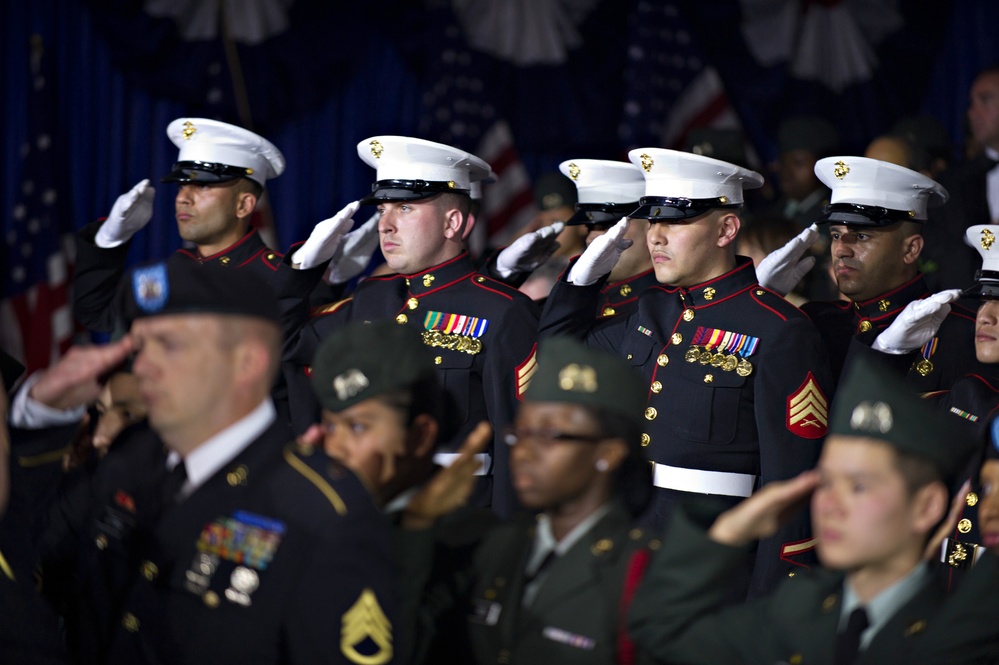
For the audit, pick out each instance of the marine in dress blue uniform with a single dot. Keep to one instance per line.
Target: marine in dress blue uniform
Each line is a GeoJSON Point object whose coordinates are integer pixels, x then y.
{"type": "Point", "coordinates": [874, 196]}
{"type": "Point", "coordinates": [479, 332]}
{"type": "Point", "coordinates": [738, 381]}
{"type": "Point", "coordinates": [210, 152]}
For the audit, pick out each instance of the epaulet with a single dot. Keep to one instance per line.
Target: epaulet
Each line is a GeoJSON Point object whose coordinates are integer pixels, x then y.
{"type": "Point", "coordinates": [775, 302]}
{"type": "Point", "coordinates": [322, 310]}
{"type": "Point", "coordinates": [489, 284]}
{"type": "Point", "coordinates": [300, 457]}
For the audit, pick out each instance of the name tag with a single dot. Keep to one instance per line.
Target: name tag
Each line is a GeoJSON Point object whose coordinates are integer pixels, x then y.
{"type": "Point", "coordinates": [565, 637]}
{"type": "Point", "coordinates": [485, 612]}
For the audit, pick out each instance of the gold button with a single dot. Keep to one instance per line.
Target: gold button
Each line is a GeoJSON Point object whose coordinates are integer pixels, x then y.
{"type": "Point", "coordinates": [795, 658]}
{"type": "Point", "coordinates": [971, 499]}
{"type": "Point", "coordinates": [210, 599]}
{"type": "Point", "coordinates": [829, 603]}
{"type": "Point", "coordinates": [609, 311]}
{"type": "Point", "coordinates": [657, 387]}
{"type": "Point", "coordinates": [646, 439]}
{"type": "Point", "coordinates": [412, 303]}
{"type": "Point", "coordinates": [428, 279]}
{"type": "Point", "coordinates": [489, 594]}
{"type": "Point", "coordinates": [438, 360]}
{"type": "Point", "coordinates": [964, 526]}
{"type": "Point", "coordinates": [865, 326]}
{"type": "Point", "coordinates": [237, 476]}
{"type": "Point", "coordinates": [149, 570]}
{"type": "Point", "coordinates": [676, 338]}
{"type": "Point", "coordinates": [402, 318]}
{"type": "Point", "coordinates": [225, 260]}
{"type": "Point", "coordinates": [760, 292]}
{"type": "Point", "coordinates": [662, 360]}
{"type": "Point", "coordinates": [635, 534]}
{"type": "Point", "coordinates": [130, 622]}
{"type": "Point", "coordinates": [651, 413]}
{"type": "Point", "coordinates": [655, 544]}
{"type": "Point", "coordinates": [629, 357]}
{"type": "Point", "coordinates": [102, 542]}
{"type": "Point", "coordinates": [625, 290]}
{"type": "Point", "coordinates": [791, 574]}
{"type": "Point", "coordinates": [708, 378]}
{"type": "Point", "coordinates": [480, 279]}
{"type": "Point", "coordinates": [915, 627]}
{"type": "Point", "coordinates": [407, 281]}
{"type": "Point", "coordinates": [270, 257]}
{"type": "Point", "coordinates": [688, 314]}
{"type": "Point", "coordinates": [602, 545]}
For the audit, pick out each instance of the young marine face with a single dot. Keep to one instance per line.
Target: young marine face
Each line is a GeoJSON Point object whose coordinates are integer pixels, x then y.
{"type": "Point", "coordinates": [369, 438]}
{"type": "Point", "coordinates": [689, 252]}
{"type": "Point", "coordinates": [119, 405]}
{"type": "Point", "coordinates": [862, 513]}
{"type": "Point", "coordinates": [412, 234]}
{"type": "Point", "coordinates": [869, 261]}
{"type": "Point", "coordinates": [988, 506]}
{"type": "Point", "coordinates": [207, 214]}
{"type": "Point", "coordinates": [987, 332]}
{"type": "Point", "coordinates": [186, 374]}
{"type": "Point", "coordinates": [549, 473]}
{"type": "Point", "coordinates": [983, 109]}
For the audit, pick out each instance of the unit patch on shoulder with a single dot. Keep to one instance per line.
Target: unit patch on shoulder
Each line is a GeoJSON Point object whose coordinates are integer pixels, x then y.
{"type": "Point", "coordinates": [365, 632]}
{"type": "Point", "coordinates": [808, 410]}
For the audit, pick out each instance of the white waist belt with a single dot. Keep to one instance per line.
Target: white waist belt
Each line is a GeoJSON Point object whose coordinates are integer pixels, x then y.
{"type": "Point", "coordinates": [703, 482]}
{"type": "Point", "coordinates": [447, 459]}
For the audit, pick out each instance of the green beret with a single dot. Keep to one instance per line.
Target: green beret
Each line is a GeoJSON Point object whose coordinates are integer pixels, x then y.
{"type": "Point", "coordinates": [573, 373]}
{"type": "Point", "coordinates": [872, 402]}
{"type": "Point", "coordinates": [363, 360]}
{"type": "Point", "coordinates": [181, 286]}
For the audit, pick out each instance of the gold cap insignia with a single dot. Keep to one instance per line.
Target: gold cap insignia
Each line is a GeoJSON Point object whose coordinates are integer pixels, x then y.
{"type": "Point", "coordinates": [647, 162]}
{"type": "Point", "coordinates": [188, 130]}
{"type": "Point", "coordinates": [709, 293]}
{"type": "Point", "coordinates": [349, 384]}
{"type": "Point", "coordinates": [366, 623]}
{"type": "Point", "coordinates": [723, 200]}
{"type": "Point", "coordinates": [377, 149]}
{"type": "Point", "coordinates": [450, 184]}
{"type": "Point", "coordinates": [987, 239]}
{"type": "Point", "coordinates": [428, 279]}
{"type": "Point", "coordinates": [875, 418]}
{"type": "Point", "coordinates": [841, 170]}
{"type": "Point", "coordinates": [573, 171]}
{"type": "Point", "coordinates": [883, 305]}
{"type": "Point", "coordinates": [249, 171]}
{"type": "Point", "coordinates": [582, 378]}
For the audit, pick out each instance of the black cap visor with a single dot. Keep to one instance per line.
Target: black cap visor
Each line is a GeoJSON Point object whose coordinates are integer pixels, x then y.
{"type": "Point", "coordinates": [410, 190]}
{"type": "Point", "coordinates": [986, 286]}
{"type": "Point", "coordinates": [856, 214]}
{"type": "Point", "coordinates": [669, 209]}
{"type": "Point", "coordinates": [600, 214]}
{"type": "Point", "coordinates": [205, 172]}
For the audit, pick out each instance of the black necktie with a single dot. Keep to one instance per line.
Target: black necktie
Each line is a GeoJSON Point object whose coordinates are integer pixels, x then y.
{"type": "Point", "coordinates": [530, 577]}
{"type": "Point", "coordinates": [848, 642]}
{"type": "Point", "coordinates": [173, 482]}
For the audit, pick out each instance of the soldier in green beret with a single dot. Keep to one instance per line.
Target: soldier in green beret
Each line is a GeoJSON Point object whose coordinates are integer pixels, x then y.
{"type": "Point", "coordinates": [877, 494]}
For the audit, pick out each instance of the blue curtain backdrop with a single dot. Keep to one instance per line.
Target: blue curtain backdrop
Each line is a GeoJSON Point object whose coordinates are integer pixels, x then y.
{"type": "Point", "coordinates": [347, 70]}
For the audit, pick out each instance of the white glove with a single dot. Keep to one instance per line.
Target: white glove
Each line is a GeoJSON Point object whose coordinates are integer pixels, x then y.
{"type": "Point", "coordinates": [529, 251]}
{"type": "Point", "coordinates": [916, 324]}
{"type": "Point", "coordinates": [783, 268]}
{"type": "Point", "coordinates": [130, 212]}
{"type": "Point", "coordinates": [325, 239]}
{"type": "Point", "coordinates": [601, 256]}
{"type": "Point", "coordinates": [355, 252]}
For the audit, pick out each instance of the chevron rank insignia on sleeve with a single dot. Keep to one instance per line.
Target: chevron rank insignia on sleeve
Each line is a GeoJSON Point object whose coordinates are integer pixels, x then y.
{"type": "Point", "coordinates": [525, 371]}
{"type": "Point", "coordinates": [808, 410]}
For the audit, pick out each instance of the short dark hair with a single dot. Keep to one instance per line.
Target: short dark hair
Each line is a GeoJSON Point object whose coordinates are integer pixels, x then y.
{"type": "Point", "coordinates": [917, 472]}
{"type": "Point", "coordinates": [252, 186]}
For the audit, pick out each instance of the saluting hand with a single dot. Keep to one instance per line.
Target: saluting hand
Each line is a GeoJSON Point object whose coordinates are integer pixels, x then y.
{"type": "Point", "coordinates": [529, 251]}
{"type": "Point", "coordinates": [764, 512]}
{"type": "Point", "coordinates": [601, 256]}
{"type": "Point", "coordinates": [783, 268]}
{"type": "Point", "coordinates": [450, 487]}
{"type": "Point", "coordinates": [131, 211]}
{"type": "Point", "coordinates": [76, 380]}
{"type": "Point", "coordinates": [916, 324]}
{"type": "Point", "coordinates": [326, 238]}
{"type": "Point", "coordinates": [355, 253]}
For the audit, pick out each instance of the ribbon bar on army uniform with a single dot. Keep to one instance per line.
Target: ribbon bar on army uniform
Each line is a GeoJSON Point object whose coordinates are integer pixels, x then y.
{"type": "Point", "coordinates": [703, 482]}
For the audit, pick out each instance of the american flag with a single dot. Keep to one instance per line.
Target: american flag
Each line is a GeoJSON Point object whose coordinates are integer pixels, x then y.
{"type": "Point", "coordinates": [670, 86]}
{"type": "Point", "coordinates": [458, 111]}
{"type": "Point", "coordinates": [36, 324]}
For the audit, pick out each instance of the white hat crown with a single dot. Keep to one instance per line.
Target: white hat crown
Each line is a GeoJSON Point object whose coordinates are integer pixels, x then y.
{"type": "Point", "coordinates": [206, 140]}
{"type": "Point", "coordinates": [604, 181]}
{"type": "Point", "coordinates": [673, 173]}
{"type": "Point", "coordinates": [872, 182]}
{"type": "Point", "coordinates": [408, 158]}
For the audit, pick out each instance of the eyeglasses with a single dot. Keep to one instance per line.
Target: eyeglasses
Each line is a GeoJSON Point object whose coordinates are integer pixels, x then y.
{"type": "Point", "coordinates": [544, 438]}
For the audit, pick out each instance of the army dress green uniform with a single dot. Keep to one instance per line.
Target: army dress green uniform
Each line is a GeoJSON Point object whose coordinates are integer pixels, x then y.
{"type": "Point", "coordinates": [674, 617]}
